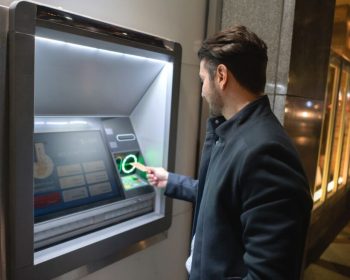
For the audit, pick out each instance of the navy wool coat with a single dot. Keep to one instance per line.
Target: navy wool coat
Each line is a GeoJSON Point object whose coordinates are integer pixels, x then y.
{"type": "Point", "coordinates": [252, 199]}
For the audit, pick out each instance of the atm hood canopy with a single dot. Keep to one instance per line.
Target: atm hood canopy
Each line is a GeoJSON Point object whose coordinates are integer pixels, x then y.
{"type": "Point", "coordinates": [76, 75]}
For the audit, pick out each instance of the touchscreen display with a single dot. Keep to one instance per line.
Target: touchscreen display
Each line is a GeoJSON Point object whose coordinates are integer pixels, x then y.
{"type": "Point", "coordinates": [72, 171]}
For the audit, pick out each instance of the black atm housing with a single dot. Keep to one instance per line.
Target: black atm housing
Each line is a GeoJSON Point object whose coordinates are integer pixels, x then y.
{"type": "Point", "coordinates": [84, 100]}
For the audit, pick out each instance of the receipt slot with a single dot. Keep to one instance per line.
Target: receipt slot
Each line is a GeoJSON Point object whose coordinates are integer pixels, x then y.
{"type": "Point", "coordinates": [88, 101]}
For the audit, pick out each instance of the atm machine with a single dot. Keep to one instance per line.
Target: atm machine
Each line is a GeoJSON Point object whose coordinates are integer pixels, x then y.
{"type": "Point", "coordinates": [82, 102]}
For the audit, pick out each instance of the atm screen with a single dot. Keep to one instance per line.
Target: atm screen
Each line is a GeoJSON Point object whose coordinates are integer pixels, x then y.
{"type": "Point", "coordinates": [72, 171]}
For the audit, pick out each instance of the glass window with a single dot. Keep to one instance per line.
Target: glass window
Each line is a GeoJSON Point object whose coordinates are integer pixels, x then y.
{"type": "Point", "coordinates": [333, 165]}
{"type": "Point", "coordinates": [338, 132]}
{"type": "Point", "coordinates": [322, 167]}
{"type": "Point", "coordinates": [344, 159]}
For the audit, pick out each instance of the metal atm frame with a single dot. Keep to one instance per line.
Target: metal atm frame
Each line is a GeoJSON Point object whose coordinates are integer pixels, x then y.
{"type": "Point", "coordinates": [17, 149]}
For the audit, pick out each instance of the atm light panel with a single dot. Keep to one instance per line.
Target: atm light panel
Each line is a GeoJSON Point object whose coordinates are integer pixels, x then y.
{"type": "Point", "coordinates": [96, 50]}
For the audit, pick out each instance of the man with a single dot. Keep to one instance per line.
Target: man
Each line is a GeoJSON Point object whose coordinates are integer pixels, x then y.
{"type": "Point", "coordinates": [252, 197]}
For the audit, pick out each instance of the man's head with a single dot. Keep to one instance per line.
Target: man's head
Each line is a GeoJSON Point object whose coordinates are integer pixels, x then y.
{"type": "Point", "coordinates": [242, 52]}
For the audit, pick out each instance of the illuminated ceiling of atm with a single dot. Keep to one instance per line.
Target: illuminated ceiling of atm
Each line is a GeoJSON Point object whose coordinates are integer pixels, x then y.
{"type": "Point", "coordinates": [72, 79]}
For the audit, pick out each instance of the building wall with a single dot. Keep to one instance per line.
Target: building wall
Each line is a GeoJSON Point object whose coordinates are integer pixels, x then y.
{"type": "Point", "coordinates": [182, 21]}
{"type": "Point", "coordinates": [308, 77]}
{"type": "Point", "coordinates": [298, 59]}
{"type": "Point", "coordinates": [272, 20]}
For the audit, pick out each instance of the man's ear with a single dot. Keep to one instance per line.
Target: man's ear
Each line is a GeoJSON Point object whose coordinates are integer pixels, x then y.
{"type": "Point", "coordinates": [222, 76]}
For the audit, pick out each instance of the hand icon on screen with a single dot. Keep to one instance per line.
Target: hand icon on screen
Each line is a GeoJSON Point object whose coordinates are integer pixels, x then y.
{"type": "Point", "coordinates": [43, 167]}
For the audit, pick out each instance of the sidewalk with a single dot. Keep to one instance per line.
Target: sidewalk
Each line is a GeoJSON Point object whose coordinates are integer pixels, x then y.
{"type": "Point", "coordinates": [334, 264]}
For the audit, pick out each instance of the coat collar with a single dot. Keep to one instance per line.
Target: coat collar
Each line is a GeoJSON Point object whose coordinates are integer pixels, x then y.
{"type": "Point", "coordinates": [214, 123]}
{"type": "Point", "coordinates": [254, 108]}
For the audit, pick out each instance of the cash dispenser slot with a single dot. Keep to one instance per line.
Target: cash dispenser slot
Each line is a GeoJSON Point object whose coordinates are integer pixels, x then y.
{"type": "Point", "coordinates": [52, 231]}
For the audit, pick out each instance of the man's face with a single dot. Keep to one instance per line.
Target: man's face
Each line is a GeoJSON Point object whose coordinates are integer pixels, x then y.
{"type": "Point", "coordinates": [210, 91]}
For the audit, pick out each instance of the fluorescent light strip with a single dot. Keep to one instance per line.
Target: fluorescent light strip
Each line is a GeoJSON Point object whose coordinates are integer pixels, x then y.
{"type": "Point", "coordinates": [317, 195]}
{"type": "Point", "coordinates": [330, 186]}
{"type": "Point", "coordinates": [57, 123]}
{"type": "Point", "coordinates": [77, 122]}
{"type": "Point", "coordinates": [60, 123]}
{"type": "Point", "coordinates": [340, 180]}
{"type": "Point", "coordinates": [63, 43]}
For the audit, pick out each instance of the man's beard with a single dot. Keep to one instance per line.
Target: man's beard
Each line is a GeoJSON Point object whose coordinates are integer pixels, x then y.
{"type": "Point", "coordinates": [215, 103]}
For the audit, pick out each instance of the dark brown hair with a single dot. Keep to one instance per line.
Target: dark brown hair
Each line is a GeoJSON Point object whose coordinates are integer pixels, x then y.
{"type": "Point", "coordinates": [242, 52]}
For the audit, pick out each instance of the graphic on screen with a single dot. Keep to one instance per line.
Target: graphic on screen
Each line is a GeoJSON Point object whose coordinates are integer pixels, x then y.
{"type": "Point", "coordinates": [72, 170]}
{"type": "Point", "coordinates": [43, 167]}
{"type": "Point", "coordinates": [131, 177]}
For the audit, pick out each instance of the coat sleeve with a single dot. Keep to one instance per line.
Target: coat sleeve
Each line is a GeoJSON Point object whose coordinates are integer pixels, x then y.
{"type": "Point", "coordinates": [181, 187]}
{"type": "Point", "coordinates": [275, 212]}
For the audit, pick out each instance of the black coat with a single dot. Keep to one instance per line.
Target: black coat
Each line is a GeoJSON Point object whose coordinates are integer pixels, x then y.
{"type": "Point", "coordinates": [252, 198]}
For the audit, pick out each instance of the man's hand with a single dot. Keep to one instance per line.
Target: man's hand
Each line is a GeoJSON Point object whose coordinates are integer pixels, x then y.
{"type": "Point", "coordinates": [157, 176]}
